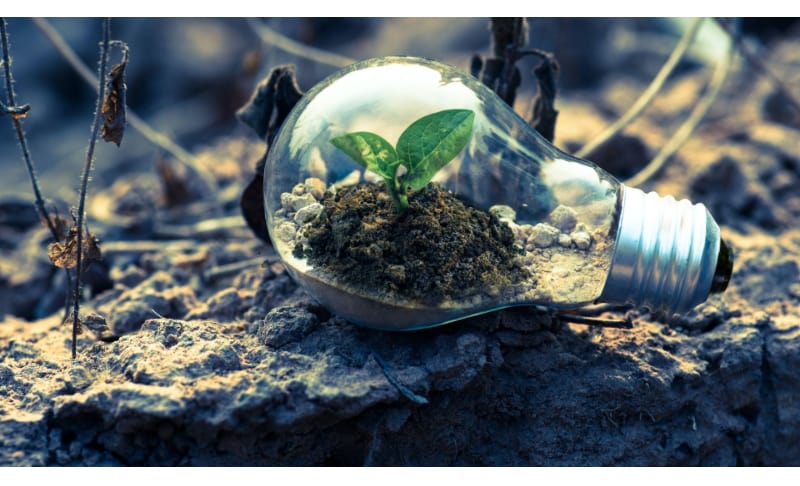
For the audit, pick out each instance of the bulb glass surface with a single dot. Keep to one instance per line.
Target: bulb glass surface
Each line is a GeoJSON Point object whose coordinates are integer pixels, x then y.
{"type": "Point", "coordinates": [563, 212]}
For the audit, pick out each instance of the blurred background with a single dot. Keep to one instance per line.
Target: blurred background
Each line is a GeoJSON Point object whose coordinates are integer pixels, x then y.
{"type": "Point", "coordinates": [187, 77]}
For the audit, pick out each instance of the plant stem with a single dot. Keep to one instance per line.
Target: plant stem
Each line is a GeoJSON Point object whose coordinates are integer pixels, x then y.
{"type": "Point", "coordinates": [41, 209]}
{"type": "Point", "coordinates": [399, 194]}
{"type": "Point", "coordinates": [85, 179]}
{"type": "Point", "coordinates": [23, 143]}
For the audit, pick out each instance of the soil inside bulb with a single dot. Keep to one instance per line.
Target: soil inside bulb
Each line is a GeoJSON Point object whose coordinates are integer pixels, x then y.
{"type": "Point", "coordinates": [439, 250]}
{"type": "Point", "coordinates": [441, 254]}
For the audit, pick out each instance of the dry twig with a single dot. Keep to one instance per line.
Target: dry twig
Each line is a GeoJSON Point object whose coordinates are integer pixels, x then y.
{"type": "Point", "coordinates": [273, 38]}
{"type": "Point", "coordinates": [156, 138]}
{"type": "Point", "coordinates": [87, 168]}
{"type": "Point", "coordinates": [685, 131]}
{"type": "Point", "coordinates": [648, 94]}
{"type": "Point", "coordinates": [16, 114]}
{"type": "Point", "coordinates": [756, 61]}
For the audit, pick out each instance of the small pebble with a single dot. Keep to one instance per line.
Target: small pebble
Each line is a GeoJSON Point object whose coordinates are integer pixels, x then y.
{"type": "Point", "coordinates": [299, 202]}
{"type": "Point", "coordinates": [543, 235]}
{"type": "Point", "coordinates": [307, 213]}
{"type": "Point", "coordinates": [564, 218]}
{"type": "Point", "coordinates": [315, 187]}
{"type": "Point", "coordinates": [564, 240]}
{"type": "Point", "coordinates": [582, 239]}
{"type": "Point", "coordinates": [299, 189]}
{"type": "Point", "coordinates": [286, 201]}
{"type": "Point", "coordinates": [501, 212]}
{"type": "Point", "coordinates": [285, 231]}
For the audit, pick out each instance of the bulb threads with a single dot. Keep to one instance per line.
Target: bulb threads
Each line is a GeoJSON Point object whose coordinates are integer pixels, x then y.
{"type": "Point", "coordinates": [666, 253]}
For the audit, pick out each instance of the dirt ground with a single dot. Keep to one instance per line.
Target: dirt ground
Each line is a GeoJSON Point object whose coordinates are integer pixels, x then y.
{"type": "Point", "coordinates": [214, 356]}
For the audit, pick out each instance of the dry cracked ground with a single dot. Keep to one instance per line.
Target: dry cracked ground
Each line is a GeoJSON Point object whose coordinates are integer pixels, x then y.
{"type": "Point", "coordinates": [215, 357]}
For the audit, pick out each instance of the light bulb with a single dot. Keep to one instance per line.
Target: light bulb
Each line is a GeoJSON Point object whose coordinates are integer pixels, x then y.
{"type": "Point", "coordinates": [578, 235]}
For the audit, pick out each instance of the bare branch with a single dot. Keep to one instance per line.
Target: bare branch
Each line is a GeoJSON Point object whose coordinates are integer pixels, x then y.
{"type": "Point", "coordinates": [12, 109]}
{"type": "Point", "coordinates": [761, 65]}
{"type": "Point", "coordinates": [685, 131]}
{"type": "Point", "coordinates": [273, 38]}
{"type": "Point", "coordinates": [23, 142]}
{"type": "Point", "coordinates": [648, 94]}
{"type": "Point", "coordinates": [87, 168]}
{"type": "Point", "coordinates": [156, 138]}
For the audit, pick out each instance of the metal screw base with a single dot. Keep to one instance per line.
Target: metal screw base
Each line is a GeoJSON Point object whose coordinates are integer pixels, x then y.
{"type": "Point", "coordinates": [666, 253]}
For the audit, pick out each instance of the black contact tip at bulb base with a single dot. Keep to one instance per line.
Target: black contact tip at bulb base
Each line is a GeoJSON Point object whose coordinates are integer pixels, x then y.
{"type": "Point", "coordinates": [722, 274]}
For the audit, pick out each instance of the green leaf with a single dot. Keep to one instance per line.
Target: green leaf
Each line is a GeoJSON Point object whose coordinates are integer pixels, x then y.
{"type": "Point", "coordinates": [371, 151]}
{"type": "Point", "coordinates": [431, 142]}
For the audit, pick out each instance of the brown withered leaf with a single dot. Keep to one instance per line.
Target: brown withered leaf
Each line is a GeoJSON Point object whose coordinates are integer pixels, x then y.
{"type": "Point", "coordinates": [272, 100]}
{"type": "Point", "coordinates": [114, 104]}
{"type": "Point", "coordinates": [16, 112]}
{"type": "Point", "coordinates": [65, 255]}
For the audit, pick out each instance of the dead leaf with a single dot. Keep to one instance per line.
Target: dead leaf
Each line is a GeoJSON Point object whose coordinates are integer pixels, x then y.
{"type": "Point", "coordinates": [16, 112]}
{"type": "Point", "coordinates": [272, 100]}
{"type": "Point", "coordinates": [114, 104]}
{"type": "Point", "coordinates": [65, 255]}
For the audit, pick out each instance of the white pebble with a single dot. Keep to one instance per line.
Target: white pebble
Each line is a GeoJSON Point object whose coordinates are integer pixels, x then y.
{"type": "Point", "coordinates": [582, 239]}
{"type": "Point", "coordinates": [543, 235]}
{"type": "Point", "coordinates": [564, 240]}
{"type": "Point", "coordinates": [286, 201]}
{"type": "Point", "coordinates": [315, 187]}
{"type": "Point", "coordinates": [299, 202]}
{"type": "Point", "coordinates": [307, 213]}
{"type": "Point", "coordinates": [285, 231]}
{"type": "Point", "coordinates": [501, 212]}
{"type": "Point", "coordinates": [563, 218]}
{"type": "Point", "coordinates": [299, 189]}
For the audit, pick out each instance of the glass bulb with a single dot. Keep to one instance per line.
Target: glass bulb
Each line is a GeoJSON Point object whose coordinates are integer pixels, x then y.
{"type": "Point", "coordinates": [568, 233]}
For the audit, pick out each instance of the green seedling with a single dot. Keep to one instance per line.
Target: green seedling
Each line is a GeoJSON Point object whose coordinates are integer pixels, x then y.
{"type": "Point", "coordinates": [423, 148]}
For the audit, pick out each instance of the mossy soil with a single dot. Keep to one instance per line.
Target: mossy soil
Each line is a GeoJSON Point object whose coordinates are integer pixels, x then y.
{"type": "Point", "coordinates": [440, 249]}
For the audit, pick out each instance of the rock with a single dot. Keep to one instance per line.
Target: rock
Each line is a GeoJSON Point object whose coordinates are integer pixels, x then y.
{"type": "Point", "coordinates": [563, 218]}
{"type": "Point", "coordinates": [298, 190]}
{"type": "Point", "coordinates": [582, 240]}
{"type": "Point", "coordinates": [285, 231]}
{"type": "Point", "coordinates": [284, 325]}
{"type": "Point", "coordinates": [300, 202]}
{"type": "Point", "coordinates": [315, 187]}
{"type": "Point", "coordinates": [564, 240]}
{"type": "Point", "coordinates": [543, 236]}
{"type": "Point", "coordinates": [503, 212]}
{"type": "Point", "coordinates": [159, 295]}
{"type": "Point", "coordinates": [308, 213]}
